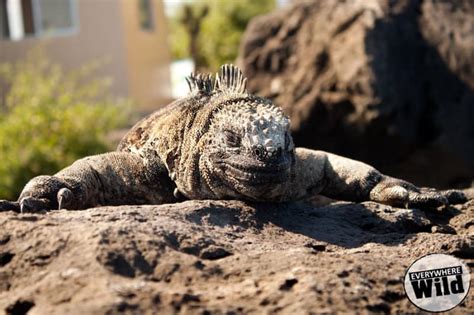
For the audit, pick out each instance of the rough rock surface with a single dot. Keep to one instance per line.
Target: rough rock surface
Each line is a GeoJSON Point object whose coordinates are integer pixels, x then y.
{"type": "Point", "coordinates": [387, 82]}
{"type": "Point", "coordinates": [222, 257]}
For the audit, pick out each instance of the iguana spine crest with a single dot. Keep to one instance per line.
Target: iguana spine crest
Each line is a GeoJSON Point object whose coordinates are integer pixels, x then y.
{"type": "Point", "coordinates": [230, 80]}
{"type": "Point", "coordinates": [200, 83]}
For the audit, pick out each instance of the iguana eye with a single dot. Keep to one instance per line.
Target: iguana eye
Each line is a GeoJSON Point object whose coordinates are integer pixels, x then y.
{"type": "Point", "coordinates": [232, 139]}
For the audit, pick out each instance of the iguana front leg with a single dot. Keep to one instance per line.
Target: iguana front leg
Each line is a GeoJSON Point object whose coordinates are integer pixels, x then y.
{"type": "Point", "coordinates": [345, 179]}
{"type": "Point", "coordinates": [107, 179]}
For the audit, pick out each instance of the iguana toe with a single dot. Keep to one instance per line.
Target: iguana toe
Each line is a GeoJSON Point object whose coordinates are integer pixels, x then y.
{"type": "Point", "coordinates": [6, 205]}
{"type": "Point", "coordinates": [455, 196]}
{"type": "Point", "coordinates": [400, 193]}
{"type": "Point", "coordinates": [31, 204]}
{"type": "Point", "coordinates": [427, 199]}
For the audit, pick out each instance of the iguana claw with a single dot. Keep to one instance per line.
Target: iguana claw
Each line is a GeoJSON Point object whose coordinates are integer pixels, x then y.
{"type": "Point", "coordinates": [65, 196]}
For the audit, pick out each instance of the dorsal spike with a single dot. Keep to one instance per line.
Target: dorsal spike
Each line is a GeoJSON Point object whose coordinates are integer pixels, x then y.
{"type": "Point", "coordinates": [230, 79]}
{"type": "Point", "coordinates": [200, 83]}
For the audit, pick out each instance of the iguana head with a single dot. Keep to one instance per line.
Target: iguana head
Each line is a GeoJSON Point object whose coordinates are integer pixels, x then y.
{"type": "Point", "coordinates": [249, 151]}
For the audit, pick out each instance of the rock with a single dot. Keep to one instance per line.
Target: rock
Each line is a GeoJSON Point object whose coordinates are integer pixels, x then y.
{"type": "Point", "coordinates": [220, 257]}
{"type": "Point", "coordinates": [387, 82]}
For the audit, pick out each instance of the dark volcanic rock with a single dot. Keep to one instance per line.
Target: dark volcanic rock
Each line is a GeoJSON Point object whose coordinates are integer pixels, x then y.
{"type": "Point", "coordinates": [222, 257]}
{"type": "Point", "coordinates": [387, 82]}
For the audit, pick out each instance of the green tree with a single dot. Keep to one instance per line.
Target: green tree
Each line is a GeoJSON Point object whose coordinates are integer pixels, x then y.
{"type": "Point", "coordinates": [49, 118]}
{"type": "Point", "coordinates": [221, 29]}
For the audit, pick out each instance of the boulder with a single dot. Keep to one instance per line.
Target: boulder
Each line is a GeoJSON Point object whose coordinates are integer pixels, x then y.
{"type": "Point", "coordinates": [387, 82]}
{"type": "Point", "coordinates": [222, 257]}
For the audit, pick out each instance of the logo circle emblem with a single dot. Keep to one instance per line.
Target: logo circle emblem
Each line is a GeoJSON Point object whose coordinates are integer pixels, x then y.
{"type": "Point", "coordinates": [437, 282]}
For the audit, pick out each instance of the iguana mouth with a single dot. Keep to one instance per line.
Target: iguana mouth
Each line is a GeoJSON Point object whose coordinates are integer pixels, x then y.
{"type": "Point", "coordinates": [259, 167]}
{"type": "Point", "coordinates": [258, 173]}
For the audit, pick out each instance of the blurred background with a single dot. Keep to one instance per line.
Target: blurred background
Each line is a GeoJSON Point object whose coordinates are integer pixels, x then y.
{"type": "Point", "coordinates": [389, 82]}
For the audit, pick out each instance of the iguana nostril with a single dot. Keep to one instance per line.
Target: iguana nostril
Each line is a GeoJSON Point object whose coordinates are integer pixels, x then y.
{"type": "Point", "coordinates": [259, 151]}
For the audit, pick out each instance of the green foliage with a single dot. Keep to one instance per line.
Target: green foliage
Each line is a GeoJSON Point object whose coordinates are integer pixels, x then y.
{"type": "Point", "coordinates": [221, 29]}
{"type": "Point", "coordinates": [179, 39]}
{"type": "Point", "coordinates": [50, 118]}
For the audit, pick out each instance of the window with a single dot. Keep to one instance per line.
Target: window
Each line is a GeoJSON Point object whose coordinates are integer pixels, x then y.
{"type": "Point", "coordinates": [4, 29]}
{"type": "Point", "coordinates": [55, 15]}
{"type": "Point", "coordinates": [21, 18]}
{"type": "Point", "coordinates": [145, 11]}
{"type": "Point", "coordinates": [28, 20]}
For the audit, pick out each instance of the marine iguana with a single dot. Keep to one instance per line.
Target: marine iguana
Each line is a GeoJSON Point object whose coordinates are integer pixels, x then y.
{"type": "Point", "coordinates": [218, 142]}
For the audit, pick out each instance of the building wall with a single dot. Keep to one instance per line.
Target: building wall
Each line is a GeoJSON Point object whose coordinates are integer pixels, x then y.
{"type": "Point", "coordinates": [109, 31]}
{"type": "Point", "coordinates": [148, 56]}
{"type": "Point", "coordinates": [98, 38]}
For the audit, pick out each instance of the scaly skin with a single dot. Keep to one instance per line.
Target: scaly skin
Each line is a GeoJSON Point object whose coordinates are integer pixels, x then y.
{"type": "Point", "coordinates": [219, 142]}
